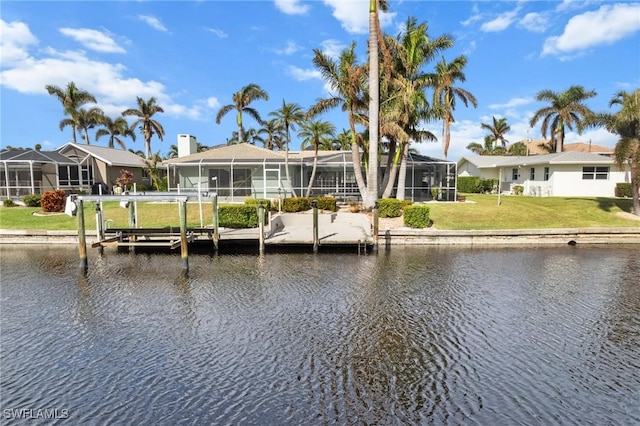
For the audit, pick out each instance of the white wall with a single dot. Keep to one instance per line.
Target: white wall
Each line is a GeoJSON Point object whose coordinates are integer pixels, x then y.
{"type": "Point", "coordinates": [568, 182]}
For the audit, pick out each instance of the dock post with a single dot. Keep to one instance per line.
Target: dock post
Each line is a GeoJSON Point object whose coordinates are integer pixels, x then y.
{"type": "Point", "coordinates": [216, 231]}
{"type": "Point", "coordinates": [375, 227]}
{"type": "Point", "coordinates": [184, 249]}
{"type": "Point", "coordinates": [82, 240]}
{"type": "Point", "coordinates": [261, 226]}
{"type": "Point", "coordinates": [314, 204]}
{"type": "Point", "coordinates": [100, 224]}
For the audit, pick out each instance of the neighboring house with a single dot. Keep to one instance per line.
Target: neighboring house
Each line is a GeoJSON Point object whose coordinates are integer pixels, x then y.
{"type": "Point", "coordinates": [561, 174]}
{"type": "Point", "coordinates": [536, 146]}
{"type": "Point", "coordinates": [240, 171]}
{"type": "Point", "coordinates": [71, 168]}
{"type": "Point", "coordinates": [28, 171]}
{"type": "Point", "coordinates": [100, 165]}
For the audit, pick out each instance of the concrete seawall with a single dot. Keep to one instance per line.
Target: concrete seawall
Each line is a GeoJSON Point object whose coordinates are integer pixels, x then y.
{"type": "Point", "coordinates": [405, 236]}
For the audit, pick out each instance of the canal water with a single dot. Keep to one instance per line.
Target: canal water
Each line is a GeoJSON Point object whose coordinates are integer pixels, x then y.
{"type": "Point", "coordinates": [416, 335]}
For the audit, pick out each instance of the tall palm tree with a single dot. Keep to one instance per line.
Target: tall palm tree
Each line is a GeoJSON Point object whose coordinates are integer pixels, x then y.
{"type": "Point", "coordinates": [173, 151]}
{"type": "Point", "coordinates": [374, 106]}
{"type": "Point", "coordinates": [567, 109]}
{"type": "Point", "coordinates": [148, 126]}
{"type": "Point", "coordinates": [497, 130]}
{"type": "Point", "coordinates": [315, 133]}
{"type": "Point", "coordinates": [445, 95]}
{"type": "Point", "coordinates": [83, 119]}
{"type": "Point", "coordinates": [71, 99]}
{"type": "Point", "coordinates": [114, 129]}
{"type": "Point", "coordinates": [241, 101]}
{"type": "Point", "coordinates": [626, 124]}
{"type": "Point", "coordinates": [342, 142]}
{"type": "Point", "coordinates": [346, 78]}
{"type": "Point", "coordinates": [273, 134]}
{"type": "Point", "coordinates": [152, 165]}
{"type": "Point", "coordinates": [288, 117]}
{"type": "Point", "coordinates": [489, 147]}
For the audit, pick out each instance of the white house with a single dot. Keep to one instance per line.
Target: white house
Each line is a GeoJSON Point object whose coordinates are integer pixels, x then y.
{"type": "Point", "coordinates": [577, 174]}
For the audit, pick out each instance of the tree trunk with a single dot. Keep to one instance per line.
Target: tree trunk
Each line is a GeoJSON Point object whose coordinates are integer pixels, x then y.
{"type": "Point", "coordinates": [392, 172]}
{"type": "Point", "coordinates": [73, 132]}
{"type": "Point", "coordinates": [446, 137]}
{"type": "Point", "coordinates": [391, 156]}
{"type": "Point", "coordinates": [635, 194]}
{"type": "Point", "coordinates": [374, 108]}
{"type": "Point", "coordinates": [403, 171]}
{"type": "Point", "coordinates": [286, 165]}
{"type": "Point", "coordinates": [313, 173]}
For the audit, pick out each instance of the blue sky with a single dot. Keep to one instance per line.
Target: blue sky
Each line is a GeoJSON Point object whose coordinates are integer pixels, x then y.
{"type": "Point", "coordinates": [192, 56]}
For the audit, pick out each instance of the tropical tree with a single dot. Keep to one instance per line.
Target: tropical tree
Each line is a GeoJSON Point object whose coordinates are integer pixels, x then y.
{"type": "Point", "coordinates": [152, 165]}
{"type": "Point", "coordinates": [71, 99]}
{"type": "Point", "coordinates": [518, 148]}
{"type": "Point", "coordinates": [173, 151]}
{"type": "Point", "coordinates": [567, 109]}
{"type": "Point", "coordinates": [115, 129]}
{"type": "Point", "coordinates": [489, 147]}
{"type": "Point", "coordinates": [497, 130]}
{"type": "Point", "coordinates": [148, 126]}
{"type": "Point", "coordinates": [626, 124]}
{"type": "Point", "coordinates": [346, 78]}
{"type": "Point", "coordinates": [445, 95]}
{"type": "Point", "coordinates": [287, 118]}
{"type": "Point", "coordinates": [241, 101]}
{"type": "Point", "coordinates": [342, 142]}
{"type": "Point", "coordinates": [271, 134]}
{"type": "Point", "coordinates": [315, 133]}
{"type": "Point", "coordinates": [83, 119]}
{"type": "Point", "coordinates": [374, 106]}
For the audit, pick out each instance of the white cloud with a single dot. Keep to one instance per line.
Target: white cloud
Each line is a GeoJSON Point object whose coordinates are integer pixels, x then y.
{"type": "Point", "coordinates": [291, 7]}
{"type": "Point", "coordinates": [477, 16]}
{"type": "Point", "coordinates": [606, 25]}
{"type": "Point", "coordinates": [500, 23]}
{"type": "Point", "coordinates": [92, 39]}
{"type": "Point", "coordinates": [15, 39]}
{"type": "Point", "coordinates": [512, 103]}
{"type": "Point", "coordinates": [218, 32]}
{"type": "Point", "coordinates": [534, 22]}
{"type": "Point", "coordinates": [471, 47]}
{"type": "Point", "coordinates": [153, 22]}
{"type": "Point", "coordinates": [354, 15]}
{"type": "Point", "coordinates": [289, 49]}
{"type": "Point", "coordinates": [304, 74]}
{"type": "Point", "coordinates": [212, 102]}
{"type": "Point", "coordinates": [333, 48]}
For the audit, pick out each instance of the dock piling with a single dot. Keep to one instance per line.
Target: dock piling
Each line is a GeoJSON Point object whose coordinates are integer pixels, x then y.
{"type": "Point", "coordinates": [184, 248]}
{"type": "Point", "coordinates": [82, 240]}
{"type": "Point", "coordinates": [314, 204]}
{"type": "Point", "coordinates": [261, 226]}
{"type": "Point", "coordinates": [216, 231]}
{"type": "Point", "coordinates": [375, 227]}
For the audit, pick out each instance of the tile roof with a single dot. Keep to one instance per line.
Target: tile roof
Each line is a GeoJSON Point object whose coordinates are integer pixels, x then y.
{"type": "Point", "coordinates": [536, 147]}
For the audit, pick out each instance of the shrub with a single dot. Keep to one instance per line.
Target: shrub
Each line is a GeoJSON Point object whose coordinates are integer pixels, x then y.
{"type": "Point", "coordinates": [296, 204]}
{"type": "Point", "coordinates": [238, 216]}
{"type": "Point", "coordinates": [327, 203]}
{"type": "Point", "coordinates": [518, 190]}
{"type": "Point", "coordinates": [488, 186]}
{"type": "Point", "coordinates": [255, 203]}
{"type": "Point", "coordinates": [32, 200]}
{"type": "Point", "coordinates": [125, 180]}
{"type": "Point", "coordinates": [469, 184]}
{"type": "Point", "coordinates": [391, 207]}
{"type": "Point", "coordinates": [416, 216]}
{"type": "Point", "coordinates": [623, 189]}
{"type": "Point", "coordinates": [53, 201]}
{"type": "Point", "coordinates": [9, 203]}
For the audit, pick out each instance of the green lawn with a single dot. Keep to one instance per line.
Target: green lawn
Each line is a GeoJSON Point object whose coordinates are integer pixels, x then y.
{"type": "Point", "coordinates": [480, 212]}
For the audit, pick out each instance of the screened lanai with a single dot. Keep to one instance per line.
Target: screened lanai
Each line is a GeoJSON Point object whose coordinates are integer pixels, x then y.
{"type": "Point", "coordinates": [236, 172]}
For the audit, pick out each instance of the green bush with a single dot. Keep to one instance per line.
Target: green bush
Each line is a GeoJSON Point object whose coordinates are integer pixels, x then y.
{"type": "Point", "coordinates": [488, 186]}
{"type": "Point", "coordinates": [32, 200]}
{"type": "Point", "coordinates": [9, 203]}
{"type": "Point", "coordinates": [255, 203]}
{"type": "Point", "coordinates": [416, 216]}
{"type": "Point", "coordinates": [296, 204]}
{"type": "Point", "coordinates": [469, 184]}
{"type": "Point", "coordinates": [518, 190]}
{"type": "Point", "coordinates": [623, 189]}
{"type": "Point", "coordinates": [237, 216]}
{"type": "Point", "coordinates": [327, 203]}
{"type": "Point", "coordinates": [391, 207]}
{"type": "Point", "coordinates": [53, 201]}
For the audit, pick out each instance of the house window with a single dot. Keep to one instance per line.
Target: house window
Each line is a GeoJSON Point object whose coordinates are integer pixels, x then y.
{"type": "Point", "coordinates": [597, 173]}
{"type": "Point", "coordinates": [514, 174]}
{"type": "Point", "coordinates": [70, 175]}
{"type": "Point", "coordinates": [546, 173]}
{"type": "Point", "coordinates": [532, 174]}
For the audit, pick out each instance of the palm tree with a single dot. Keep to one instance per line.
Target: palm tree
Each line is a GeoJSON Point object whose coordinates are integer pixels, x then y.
{"type": "Point", "coordinates": [114, 129]}
{"type": "Point", "coordinates": [315, 133]}
{"type": "Point", "coordinates": [273, 134]}
{"type": "Point", "coordinates": [153, 169]}
{"type": "Point", "coordinates": [342, 141]}
{"type": "Point", "coordinates": [498, 129]}
{"type": "Point", "coordinates": [518, 148]}
{"type": "Point", "coordinates": [241, 101]}
{"type": "Point", "coordinates": [148, 126]}
{"type": "Point", "coordinates": [287, 117]}
{"type": "Point", "coordinates": [346, 79]}
{"type": "Point", "coordinates": [626, 124]}
{"type": "Point", "coordinates": [173, 151]}
{"type": "Point", "coordinates": [445, 94]}
{"type": "Point", "coordinates": [71, 99]}
{"type": "Point", "coordinates": [489, 147]}
{"type": "Point", "coordinates": [83, 119]}
{"type": "Point", "coordinates": [566, 110]}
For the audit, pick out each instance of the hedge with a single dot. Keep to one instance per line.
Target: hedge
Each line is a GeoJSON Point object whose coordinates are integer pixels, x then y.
{"type": "Point", "coordinates": [476, 185]}
{"type": "Point", "coordinates": [623, 189]}
{"type": "Point", "coordinates": [238, 216]}
{"type": "Point", "coordinates": [301, 204]}
{"type": "Point", "coordinates": [416, 216]}
{"type": "Point", "coordinates": [255, 203]}
{"type": "Point", "coordinates": [391, 207]}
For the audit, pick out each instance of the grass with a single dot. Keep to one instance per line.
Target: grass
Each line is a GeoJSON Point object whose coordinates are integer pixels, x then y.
{"type": "Point", "coordinates": [482, 212]}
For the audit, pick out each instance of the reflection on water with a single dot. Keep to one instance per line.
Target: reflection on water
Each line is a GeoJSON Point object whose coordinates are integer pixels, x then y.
{"type": "Point", "coordinates": [413, 336]}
